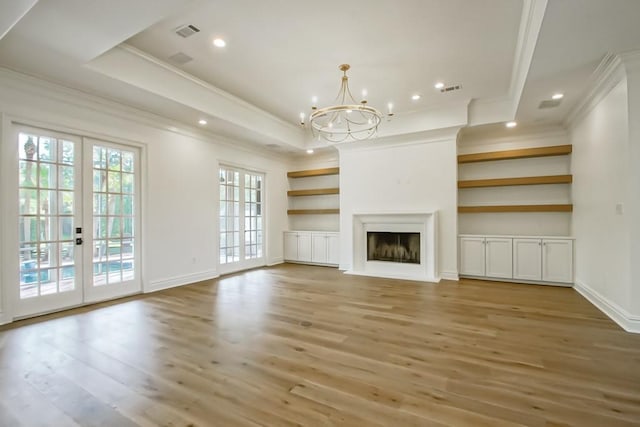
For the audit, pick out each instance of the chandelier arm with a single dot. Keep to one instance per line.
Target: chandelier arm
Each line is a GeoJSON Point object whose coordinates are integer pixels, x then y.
{"type": "Point", "coordinates": [347, 120]}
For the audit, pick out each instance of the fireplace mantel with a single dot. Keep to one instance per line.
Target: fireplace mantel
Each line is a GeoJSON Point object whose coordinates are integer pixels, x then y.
{"type": "Point", "coordinates": [424, 223]}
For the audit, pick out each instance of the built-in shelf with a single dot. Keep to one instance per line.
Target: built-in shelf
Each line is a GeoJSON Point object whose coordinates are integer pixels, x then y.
{"type": "Point", "coordinates": [558, 150]}
{"type": "Point", "coordinates": [313, 192]}
{"type": "Point", "coordinates": [310, 173]}
{"type": "Point", "coordinates": [515, 208]}
{"type": "Point", "coordinates": [503, 182]}
{"type": "Point", "coordinates": [312, 211]}
{"type": "Point", "coordinates": [313, 172]}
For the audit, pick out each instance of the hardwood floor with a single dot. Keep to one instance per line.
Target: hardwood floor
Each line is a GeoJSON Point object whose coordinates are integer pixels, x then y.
{"type": "Point", "coordinates": [302, 345]}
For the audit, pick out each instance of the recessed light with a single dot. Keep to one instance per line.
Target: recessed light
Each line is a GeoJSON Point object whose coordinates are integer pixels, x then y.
{"type": "Point", "coordinates": [415, 97]}
{"type": "Point", "coordinates": [219, 43]}
{"type": "Point", "coordinates": [202, 122]}
{"type": "Point", "coordinates": [439, 85]}
{"type": "Point", "coordinates": [557, 96]}
{"type": "Point", "coordinates": [309, 151]}
{"type": "Point", "coordinates": [511, 124]}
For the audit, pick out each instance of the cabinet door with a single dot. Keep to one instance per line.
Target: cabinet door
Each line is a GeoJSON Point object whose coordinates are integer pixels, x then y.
{"type": "Point", "coordinates": [290, 246]}
{"type": "Point", "coordinates": [304, 247]}
{"type": "Point", "coordinates": [333, 248]}
{"type": "Point", "coordinates": [319, 248]}
{"type": "Point", "coordinates": [557, 260]}
{"type": "Point", "coordinates": [498, 257]}
{"type": "Point", "coordinates": [472, 256]}
{"type": "Point", "coordinates": [527, 259]}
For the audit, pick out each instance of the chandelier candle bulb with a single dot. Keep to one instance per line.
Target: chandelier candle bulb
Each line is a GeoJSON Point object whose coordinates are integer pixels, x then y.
{"type": "Point", "coordinates": [302, 119]}
{"type": "Point", "coordinates": [314, 102]}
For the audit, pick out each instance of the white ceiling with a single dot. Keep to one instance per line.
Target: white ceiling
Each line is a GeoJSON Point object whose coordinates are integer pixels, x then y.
{"type": "Point", "coordinates": [281, 52]}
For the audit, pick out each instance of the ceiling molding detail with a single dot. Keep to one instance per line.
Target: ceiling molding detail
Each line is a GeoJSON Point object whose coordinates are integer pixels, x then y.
{"type": "Point", "coordinates": [530, 24]}
{"type": "Point", "coordinates": [432, 136]}
{"type": "Point", "coordinates": [24, 84]}
{"type": "Point", "coordinates": [136, 68]}
{"type": "Point", "coordinates": [607, 75]}
{"type": "Point", "coordinates": [12, 12]}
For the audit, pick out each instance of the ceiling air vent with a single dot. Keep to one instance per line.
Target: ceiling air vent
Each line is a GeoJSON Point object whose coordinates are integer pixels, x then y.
{"type": "Point", "coordinates": [180, 58]}
{"type": "Point", "coordinates": [187, 30]}
{"type": "Point", "coordinates": [549, 103]}
{"type": "Point", "coordinates": [450, 88]}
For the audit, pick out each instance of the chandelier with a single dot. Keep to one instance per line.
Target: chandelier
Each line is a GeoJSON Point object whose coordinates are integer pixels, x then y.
{"type": "Point", "coordinates": [348, 120]}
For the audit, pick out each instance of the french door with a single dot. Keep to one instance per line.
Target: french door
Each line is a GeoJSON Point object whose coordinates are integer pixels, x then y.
{"type": "Point", "coordinates": [77, 221]}
{"type": "Point", "coordinates": [241, 219]}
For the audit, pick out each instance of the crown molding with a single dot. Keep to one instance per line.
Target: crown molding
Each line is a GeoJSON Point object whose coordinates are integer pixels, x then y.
{"type": "Point", "coordinates": [76, 98]}
{"type": "Point", "coordinates": [448, 134]}
{"type": "Point", "coordinates": [605, 77]}
{"type": "Point", "coordinates": [134, 67]}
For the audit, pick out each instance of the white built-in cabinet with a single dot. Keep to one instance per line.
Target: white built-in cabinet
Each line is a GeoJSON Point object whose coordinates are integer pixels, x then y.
{"type": "Point", "coordinates": [312, 247]}
{"type": "Point", "coordinates": [526, 259]}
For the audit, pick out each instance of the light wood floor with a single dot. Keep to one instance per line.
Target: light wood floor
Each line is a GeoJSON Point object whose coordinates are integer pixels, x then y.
{"type": "Point", "coordinates": [301, 345]}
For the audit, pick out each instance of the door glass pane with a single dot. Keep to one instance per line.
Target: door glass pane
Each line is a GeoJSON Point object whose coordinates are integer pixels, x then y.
{"type": "Point", "coordinates": [113, 215]}
{"type": "Point", "coordinates": [46, 215]}
{"type": "Point", "coordinates": [229, 215]}
{"type": "Point", "coordinates": [240, 217]}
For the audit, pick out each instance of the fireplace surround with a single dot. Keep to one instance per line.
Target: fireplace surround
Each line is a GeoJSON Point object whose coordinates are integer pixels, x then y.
{"type": "Point", "coordinates": [413, 253]}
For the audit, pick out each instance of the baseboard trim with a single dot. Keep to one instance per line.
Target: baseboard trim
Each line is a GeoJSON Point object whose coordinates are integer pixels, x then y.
{"type": "Point", "coordinates": [627, 321]}
{"type": "Point", "coordinates": [450, 275]}
{"type": "Point", "coordinates": [187, 279]}
{"type": "Point", "coordinates": [275, 261]}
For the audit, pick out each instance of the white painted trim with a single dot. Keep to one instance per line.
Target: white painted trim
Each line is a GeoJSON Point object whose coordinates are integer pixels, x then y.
{"type": "Point", "coordinates": [173, 282]}
{"type": "Point", "coordinates": [427, 279]}
{"type": "Point", "coordinates": [606, 76]}
{"type": "Point", "coordinates": [623, 318]}
{"type": "Point", "coordinates": [275, 261]}
{"type": "Point", "coordinates": [128, 65]}
{"type": "Point", "coordinates": [73, 97]}
{"type": "Point", "coordinates": [450, 275]}
{"type": "Point", "coordinates": [394, 142]}
{"type": "Point", "coordinates": [206, 86]}
{"type": "Point", "coordinates": [516, 281]}
{"type": "Point", "coordinates": [4, 123]}
{"type": "Point", "coordinates": [530, 24]}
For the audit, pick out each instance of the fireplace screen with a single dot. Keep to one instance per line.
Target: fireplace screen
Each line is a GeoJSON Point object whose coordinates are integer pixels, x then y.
{"type": "Point", "coordinates": [393, 247]}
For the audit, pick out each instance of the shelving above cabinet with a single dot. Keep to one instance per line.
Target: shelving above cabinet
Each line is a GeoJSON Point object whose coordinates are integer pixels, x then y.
{"type": "Point", "coordinates": [489, 182]}
{"type": "Point", "coordinates": [317, 207]}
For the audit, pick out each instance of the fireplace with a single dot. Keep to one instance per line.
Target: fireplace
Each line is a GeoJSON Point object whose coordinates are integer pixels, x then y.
{"type": "Point", "coordinates": [393, 247]}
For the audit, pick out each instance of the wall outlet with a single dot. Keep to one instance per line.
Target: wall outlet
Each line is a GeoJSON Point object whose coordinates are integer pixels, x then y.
{"type": "Point", "coordinates": [619, 208]}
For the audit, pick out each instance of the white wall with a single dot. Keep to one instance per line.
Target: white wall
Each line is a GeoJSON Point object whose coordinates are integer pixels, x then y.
{"type": "Point", "coordinates": [514, 223]}
{"type": "Point", "coordinates": [406, 177]}
{"type": "Point", "coordinates": [633, 162]}
{"type": "Point", "coordinates": [601, 168]}
{"type": "Point", "coordinates": [180, 185]}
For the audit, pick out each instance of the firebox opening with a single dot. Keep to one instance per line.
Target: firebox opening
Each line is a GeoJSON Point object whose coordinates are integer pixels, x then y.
{"type": "Point", "coordinates": [393, 247]}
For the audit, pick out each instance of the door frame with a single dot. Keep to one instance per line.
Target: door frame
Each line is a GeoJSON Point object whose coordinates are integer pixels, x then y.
{"type": "Point", "coordinates": [242, 264]}
{"type": "Point", "coordinates": [9, 270]}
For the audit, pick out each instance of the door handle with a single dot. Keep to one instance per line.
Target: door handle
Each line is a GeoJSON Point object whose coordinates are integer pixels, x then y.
{"type": "Point", "coordinates": [79, 241]}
